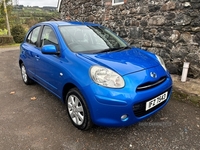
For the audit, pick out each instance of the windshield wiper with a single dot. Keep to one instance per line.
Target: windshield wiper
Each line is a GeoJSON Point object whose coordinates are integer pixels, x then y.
{"type": "Point", "coordinates": [114, 49]}
{"type": "Point", "coordinates": [125, 47]}
{"type": "Point", "coordinates": [108, 50]}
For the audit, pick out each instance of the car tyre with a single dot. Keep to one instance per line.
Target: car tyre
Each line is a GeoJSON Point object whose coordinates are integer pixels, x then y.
{"type": "Point", "coordinates": [77, 110]}
{"type": "Point", "coordinates": [26, 79]}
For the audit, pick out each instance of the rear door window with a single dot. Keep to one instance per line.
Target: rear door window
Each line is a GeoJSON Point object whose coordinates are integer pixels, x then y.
{"type": "Point", "coordinates": [33, 36]}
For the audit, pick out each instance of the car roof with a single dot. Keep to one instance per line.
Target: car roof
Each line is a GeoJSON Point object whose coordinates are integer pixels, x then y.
{"type": "Point", "coordinates": [69, 23]}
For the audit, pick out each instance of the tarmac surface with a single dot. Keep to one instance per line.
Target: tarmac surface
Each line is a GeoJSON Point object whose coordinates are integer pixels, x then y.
{"type": "Point", "coordinates": [31, 118]}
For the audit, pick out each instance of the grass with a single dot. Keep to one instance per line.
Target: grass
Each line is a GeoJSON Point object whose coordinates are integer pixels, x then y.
{"type": "Point", "coordinates": [184, 97]}
{"type": "Point", "coordinates": [10, 45]}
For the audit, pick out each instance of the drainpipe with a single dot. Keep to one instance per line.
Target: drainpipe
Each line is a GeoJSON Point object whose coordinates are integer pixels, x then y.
{"type": "Point", "coordinates": [185, 71]}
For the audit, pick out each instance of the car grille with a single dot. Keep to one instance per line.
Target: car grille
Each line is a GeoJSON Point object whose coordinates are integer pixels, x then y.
{"type": "Point", "coordinates": [139, 108]}
{"type": "Point", "coordinates": [148, 85]}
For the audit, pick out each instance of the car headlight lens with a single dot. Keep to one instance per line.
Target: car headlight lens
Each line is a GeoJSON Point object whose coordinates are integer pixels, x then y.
{"type": "Point", "coordinates": [161, 62]}
{"type": "Point", "coordinates": [106, 77]}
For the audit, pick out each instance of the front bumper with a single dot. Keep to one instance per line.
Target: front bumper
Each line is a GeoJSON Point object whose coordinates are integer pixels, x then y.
{"type": "Point", "coordinates": [108, 106]}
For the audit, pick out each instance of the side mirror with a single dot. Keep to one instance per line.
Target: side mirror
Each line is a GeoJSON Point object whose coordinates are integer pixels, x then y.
{"type": "Point", "coordinates": [49, 49]}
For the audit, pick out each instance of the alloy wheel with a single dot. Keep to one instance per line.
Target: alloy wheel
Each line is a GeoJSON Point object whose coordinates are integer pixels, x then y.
{"type": "Point", "coordinates": [76, 110]}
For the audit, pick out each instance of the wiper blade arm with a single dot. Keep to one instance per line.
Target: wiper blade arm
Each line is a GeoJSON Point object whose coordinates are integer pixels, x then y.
{"type": "Point", "coordinates": [108, 50]}
{"type": "Point", "coordinates": [114, 49]}
{"type": "Point", "coordinates": [123, 48]}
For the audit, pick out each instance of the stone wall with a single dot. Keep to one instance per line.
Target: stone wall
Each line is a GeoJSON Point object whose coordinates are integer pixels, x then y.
{"type": "Point", "coordinates": [170, 29]}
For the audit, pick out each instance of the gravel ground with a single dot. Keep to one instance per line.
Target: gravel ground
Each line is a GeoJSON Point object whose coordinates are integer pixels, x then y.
{"type": "Point", "coordinates": [31, 118]}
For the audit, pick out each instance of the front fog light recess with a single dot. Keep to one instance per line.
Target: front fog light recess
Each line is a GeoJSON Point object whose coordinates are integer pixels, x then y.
{"type": "Point", "coordinates": [124, 117]}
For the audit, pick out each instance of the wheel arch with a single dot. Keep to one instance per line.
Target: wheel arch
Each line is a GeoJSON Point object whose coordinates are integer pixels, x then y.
{"type": "Point", "coordinates": [20, 63]}
{"type": "Point", "coordinates": [66, 89]}
{"type": "Point", "coordinates": [89, 123]}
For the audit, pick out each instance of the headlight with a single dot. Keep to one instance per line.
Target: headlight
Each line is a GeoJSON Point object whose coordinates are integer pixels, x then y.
{"type": "Point", "coordinates": [161, 62]}
{"type": "Point", "coordinates": [106, 77]}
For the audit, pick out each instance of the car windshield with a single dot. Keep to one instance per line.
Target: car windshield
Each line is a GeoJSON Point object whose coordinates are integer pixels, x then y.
{"type": "Point", "coordinates": [91, 39]}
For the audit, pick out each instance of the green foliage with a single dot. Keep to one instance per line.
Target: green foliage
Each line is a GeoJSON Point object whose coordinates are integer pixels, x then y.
{"type": "Point", "coordinates": [2, 13]}
{"type": "Point", "coordinates": [32, 15]}
{"type": "Point", "coordinates": [31, 21]}
{"type": "Point", "coordinates": [3, 32]}
{"type": "Point", "coordinates": [2, 23]}
{"type": "Point", "coordinates": [24, 16]}
{"type": "Point", "coordinates": [8, 5]}
{"type": "Point", "coordinates": [4, 40]}
{"type": "Point", "coordinates": [18, 33]}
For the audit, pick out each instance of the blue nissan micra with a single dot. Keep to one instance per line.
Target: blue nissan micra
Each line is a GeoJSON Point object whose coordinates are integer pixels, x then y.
{"type": "Point", "coordinates": [100, 78]}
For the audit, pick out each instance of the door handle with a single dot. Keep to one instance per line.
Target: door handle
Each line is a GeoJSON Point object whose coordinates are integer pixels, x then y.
{"type": "Point", "coordinates": [37, 57]}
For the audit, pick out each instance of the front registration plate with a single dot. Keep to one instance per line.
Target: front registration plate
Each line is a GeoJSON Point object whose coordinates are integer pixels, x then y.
{"type": "Point", "coordinates": [152, 103]}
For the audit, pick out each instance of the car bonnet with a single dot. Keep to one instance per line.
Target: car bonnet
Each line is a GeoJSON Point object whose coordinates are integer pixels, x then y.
{"type": "Point", "coordinates": [124, 62]}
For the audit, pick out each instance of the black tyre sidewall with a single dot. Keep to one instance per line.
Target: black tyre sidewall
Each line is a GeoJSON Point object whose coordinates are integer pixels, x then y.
{"type": "Point", "coordinates": [29, 81]}
{"type": "Point", "coordinates": [87, 123]}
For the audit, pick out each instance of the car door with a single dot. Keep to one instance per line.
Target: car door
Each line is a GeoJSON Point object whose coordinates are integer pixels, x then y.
{"type": "Point", "coordinates": [48, 66]}
{"type": "Point", "coordinates": [29, 49]}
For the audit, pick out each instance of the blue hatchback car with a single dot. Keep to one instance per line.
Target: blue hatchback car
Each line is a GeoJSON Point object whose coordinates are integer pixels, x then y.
{"type": "Point", "coordinates": [100, 78]}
